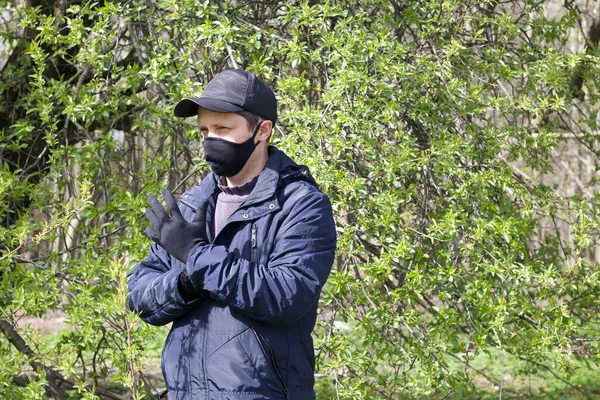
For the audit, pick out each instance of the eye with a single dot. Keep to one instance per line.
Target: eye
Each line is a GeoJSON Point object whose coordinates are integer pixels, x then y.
{"type": "Point", "coordinates": [222, 127]}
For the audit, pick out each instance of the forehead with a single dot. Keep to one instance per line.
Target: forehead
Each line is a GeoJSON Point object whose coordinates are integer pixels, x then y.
{"type": "Point", "coordinates": [207, 117]}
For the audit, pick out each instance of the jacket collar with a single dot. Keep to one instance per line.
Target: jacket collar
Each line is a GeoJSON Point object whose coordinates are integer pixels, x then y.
{"type": "Point", "coordinates": [279, 167]}
{"type": "Point", "coordinates": [268, 179]}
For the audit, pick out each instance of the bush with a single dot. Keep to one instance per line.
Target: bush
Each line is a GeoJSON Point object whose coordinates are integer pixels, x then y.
{"type": "Point", "coordinates": [434, 127]}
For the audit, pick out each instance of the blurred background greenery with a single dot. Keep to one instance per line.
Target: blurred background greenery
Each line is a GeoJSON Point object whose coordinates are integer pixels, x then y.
{"type": "Point", "coordinates": [455, 139]}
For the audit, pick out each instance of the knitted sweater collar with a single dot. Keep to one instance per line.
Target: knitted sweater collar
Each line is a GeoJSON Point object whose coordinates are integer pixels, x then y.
{"type": "Point", "coordinates": [241, 190]}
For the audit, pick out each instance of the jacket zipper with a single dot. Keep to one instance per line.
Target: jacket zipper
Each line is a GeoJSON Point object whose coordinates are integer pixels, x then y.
{"type": "Point", "coordinates": [253, 250]}
{"type": "Point", "coordinates": [272, 363]}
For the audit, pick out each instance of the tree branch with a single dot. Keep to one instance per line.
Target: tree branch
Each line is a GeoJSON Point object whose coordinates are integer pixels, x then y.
{"type": "Point", "coordinates": [53, 378]}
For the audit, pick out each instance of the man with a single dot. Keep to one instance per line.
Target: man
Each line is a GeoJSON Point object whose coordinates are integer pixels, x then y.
{"type": "Point", "coordinates": [239, 265]}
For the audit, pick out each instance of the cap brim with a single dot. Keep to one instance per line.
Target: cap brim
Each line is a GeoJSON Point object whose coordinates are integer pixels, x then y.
{"type": "Point", "coordinates": [189, 107]}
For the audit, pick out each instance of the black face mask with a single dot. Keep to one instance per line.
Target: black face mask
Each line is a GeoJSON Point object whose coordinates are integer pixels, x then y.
{"type": "Point", "coordinates": [227, 158]}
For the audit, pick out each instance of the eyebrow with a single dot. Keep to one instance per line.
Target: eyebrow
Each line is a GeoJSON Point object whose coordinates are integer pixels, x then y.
{"type": "Point", "coordinates": [215, 123]}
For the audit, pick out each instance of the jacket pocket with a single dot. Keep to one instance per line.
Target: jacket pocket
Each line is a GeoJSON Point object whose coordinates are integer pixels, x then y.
{"type": "Point", "coordinates": [271, 360]}
{"type": "Point", "coordinates": [175, 358]}
{"type": "Point", "coordinates": [239, 365]}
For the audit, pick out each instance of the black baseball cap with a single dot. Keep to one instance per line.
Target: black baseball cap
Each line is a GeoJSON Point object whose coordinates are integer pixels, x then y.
{"type": "Point", "coordinates": [232, 90]}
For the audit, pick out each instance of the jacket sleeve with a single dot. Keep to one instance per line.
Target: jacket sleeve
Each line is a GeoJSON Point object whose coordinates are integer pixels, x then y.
{"type": "Point", "coordinates": [153, 292]}
{"type": "Point", "coordinates": [286, 289]}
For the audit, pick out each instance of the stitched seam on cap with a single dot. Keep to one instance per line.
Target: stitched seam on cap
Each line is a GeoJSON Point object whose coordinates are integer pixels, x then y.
{"type": "Point", "coordinates": [246, 91]}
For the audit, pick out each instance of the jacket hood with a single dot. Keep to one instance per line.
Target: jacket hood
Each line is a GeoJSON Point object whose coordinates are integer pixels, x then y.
{"type": "Point", "coordinates": [278, 171]}
{"type": "Point", "coordinates": [288, 169]}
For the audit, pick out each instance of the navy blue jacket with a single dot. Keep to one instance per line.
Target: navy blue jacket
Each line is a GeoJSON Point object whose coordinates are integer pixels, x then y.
{"type": "Point", "coordinates": [249, 336]}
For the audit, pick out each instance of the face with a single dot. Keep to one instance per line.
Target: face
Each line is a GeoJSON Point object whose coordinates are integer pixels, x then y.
{"type": "Point", "coordinates": [236, 162]}
{"type": "Point", "coordinates": [228, 126]}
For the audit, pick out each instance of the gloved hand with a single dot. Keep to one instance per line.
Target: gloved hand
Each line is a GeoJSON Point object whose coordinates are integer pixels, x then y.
{"type": "Point", "coordinates": [172, 232]}
{"type": "Point", "coordinates": [187, 289]}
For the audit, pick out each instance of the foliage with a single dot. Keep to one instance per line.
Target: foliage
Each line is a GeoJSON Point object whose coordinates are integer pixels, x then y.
{"type": "Point", "coordinates": [434, 127]}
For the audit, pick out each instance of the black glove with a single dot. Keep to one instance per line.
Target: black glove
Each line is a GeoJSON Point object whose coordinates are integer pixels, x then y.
{"type": "Point", "coordinates": [187, 289]}
{"type": "Point", "coordinates": [173, 233]}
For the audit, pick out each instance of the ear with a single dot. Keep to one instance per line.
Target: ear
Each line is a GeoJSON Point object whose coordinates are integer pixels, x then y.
{"type": "Point", "coordinates": [265, 131]}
